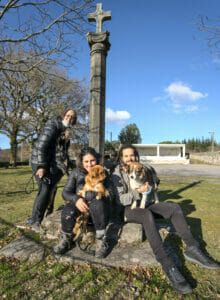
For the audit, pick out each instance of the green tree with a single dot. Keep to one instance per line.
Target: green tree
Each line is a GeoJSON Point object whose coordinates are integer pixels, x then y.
{"type": "Point", "coordinates": [130, 134]}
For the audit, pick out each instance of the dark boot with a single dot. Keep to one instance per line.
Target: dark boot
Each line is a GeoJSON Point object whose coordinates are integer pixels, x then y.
{"type": "Point", "coordinates": [101, 248]}
{"type": "Point", "coordinates": [194, 254]}
{"type": "Point", "coordinates": [101, 244]}
{"type": "Point", "coordinates": [64, 244]}
{"type": "Point", "coordinates": [178, 282]}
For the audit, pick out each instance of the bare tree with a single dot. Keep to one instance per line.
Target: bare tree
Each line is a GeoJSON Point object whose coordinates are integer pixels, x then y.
{"type": "Point", "coordinates": [29, 99]}
{"type": "Point", "coordinates": [48, 26]}
{"type": "Point", "coordinates": [212, 29]}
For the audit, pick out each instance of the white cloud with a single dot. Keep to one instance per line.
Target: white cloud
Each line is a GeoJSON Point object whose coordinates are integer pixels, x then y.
{"type": "Point", "coordinates": [180, 96]}
{"type": "Point", "coordinates": [118, 117]}
{"type": "Point", "coordinates": [180, 92]}
{"type": "Point", "coordinates": [191, 108]}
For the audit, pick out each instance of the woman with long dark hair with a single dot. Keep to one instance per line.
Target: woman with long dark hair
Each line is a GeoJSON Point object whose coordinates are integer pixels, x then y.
{"type": "Point", "coordinates": [76, 205]}
{"type": "Point", "coordinates": [45, 165]}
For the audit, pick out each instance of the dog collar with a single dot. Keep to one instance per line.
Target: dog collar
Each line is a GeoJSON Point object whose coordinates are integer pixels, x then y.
{"type": "Point", "coordinates": [148, 191]}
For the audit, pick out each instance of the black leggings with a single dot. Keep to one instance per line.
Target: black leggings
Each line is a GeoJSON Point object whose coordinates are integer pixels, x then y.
{"type": "Point", "coordinates": [46, 186]}
{"type": "Point", "coordinates": [146, 217]}
{"type": "Point", "coordinates": [98, 210]}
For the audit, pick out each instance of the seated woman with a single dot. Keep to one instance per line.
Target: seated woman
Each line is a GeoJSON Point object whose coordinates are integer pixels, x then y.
{"type": "Point", "coordinates": [76, 205]}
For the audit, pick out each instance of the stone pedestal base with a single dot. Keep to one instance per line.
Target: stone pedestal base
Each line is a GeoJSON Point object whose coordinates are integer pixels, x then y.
{"type": "Point", "coordinates": [124, 233]}
{"type": "Point", "coordinates": [51, 226]}
{"type": "Point", "coordinates": [125, 242]}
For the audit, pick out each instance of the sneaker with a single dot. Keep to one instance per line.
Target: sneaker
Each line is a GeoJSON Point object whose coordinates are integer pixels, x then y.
{"type": "Point", "coordinates": [36, 227]}
{"type": "Point", "coordinates": [30, 221]}
{"type": "Point", "coordinates": [65, 243]}
{"type": "Point", "coordinates": [178, 282]}
{"type": "Point", "coordinates": [101, 248]}
{"type": "Point", "coordinates": [194, 254]}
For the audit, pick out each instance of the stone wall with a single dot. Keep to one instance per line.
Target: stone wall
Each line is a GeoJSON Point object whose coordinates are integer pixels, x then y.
{"type": "Point", "coordinates": [208, 157]}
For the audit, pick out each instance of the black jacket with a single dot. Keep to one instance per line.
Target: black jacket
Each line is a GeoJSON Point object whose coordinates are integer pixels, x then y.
{"type": "Point", "coordinates": [44, 150]}
{"type": "Point", "coordinates": [63, 161]}
{"type": "Point", "coordinates": [75, 183]}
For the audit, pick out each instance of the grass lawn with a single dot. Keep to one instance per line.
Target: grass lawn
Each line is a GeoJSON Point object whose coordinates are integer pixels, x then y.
{"type": "Point", "coordinates": [200, 201]}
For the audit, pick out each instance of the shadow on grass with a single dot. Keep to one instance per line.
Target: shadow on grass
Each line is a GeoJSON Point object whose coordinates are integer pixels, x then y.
{"type": "Point", "coordinates": [169, 194]}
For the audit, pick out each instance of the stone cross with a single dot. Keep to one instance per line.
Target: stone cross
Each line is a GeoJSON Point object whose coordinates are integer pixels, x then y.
{"type": "Point", "coordinates": [99, 46]}
{"type": "Point", "coordinates": [99, 16]}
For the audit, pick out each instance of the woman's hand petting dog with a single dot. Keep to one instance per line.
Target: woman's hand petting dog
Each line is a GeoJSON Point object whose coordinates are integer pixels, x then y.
{"type": "Point", "coordinates": [81, 205]}
{"type": "Point", "coordinates": [143, 188]}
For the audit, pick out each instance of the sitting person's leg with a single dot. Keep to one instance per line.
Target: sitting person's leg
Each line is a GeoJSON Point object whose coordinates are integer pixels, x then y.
{"type": "Point", "coordinates": [146, 218]}
{"type": "Point", "coordinates": [99, 212]}
{"type": "Point", "coordinates": [174, 212]}
{"type": "Point", "coordinates": [68, 219]}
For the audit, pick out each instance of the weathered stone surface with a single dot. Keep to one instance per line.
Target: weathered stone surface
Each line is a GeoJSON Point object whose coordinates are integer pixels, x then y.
{"type": "Point", "coordinates": [131, 233]}
{"type": "Point", "coordinates": [126, 256]}
{"type": "Point", "coordinates": [127, 248]}
{"type": "Point", "coordinates": [50, 226]}
{"type": "Point", "coordinates": [24, 248]}
{"type": "Point", "coordinates": [128, 233]}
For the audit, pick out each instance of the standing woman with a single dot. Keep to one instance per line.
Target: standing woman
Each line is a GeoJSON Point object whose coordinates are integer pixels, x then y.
{"type": "Point", "coordinates": [44, 163]}
{"type": "Point", "coordinates": [76, 205]}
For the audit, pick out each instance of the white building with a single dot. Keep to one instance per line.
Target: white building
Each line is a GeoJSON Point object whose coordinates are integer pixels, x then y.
{"type": "Point", "coordinates": [162, 153]}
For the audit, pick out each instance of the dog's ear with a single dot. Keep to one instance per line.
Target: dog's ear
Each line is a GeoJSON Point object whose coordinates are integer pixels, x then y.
{"type": "Point", "coordinates": [88, 179]}
{"type": "Point", "coordinates": [143, 172]}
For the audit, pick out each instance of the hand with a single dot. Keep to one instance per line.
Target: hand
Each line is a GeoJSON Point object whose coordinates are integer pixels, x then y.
{"type": "Point", "coordinates": [40, 172]}
{"type": "Point", "coordinates": [81, 205]}
{"type": "Point", "coordinates": [143, 188]}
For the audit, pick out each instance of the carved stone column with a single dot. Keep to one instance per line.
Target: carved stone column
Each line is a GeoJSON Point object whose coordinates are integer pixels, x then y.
{"type": "Point", "coordinates": [99, 46]}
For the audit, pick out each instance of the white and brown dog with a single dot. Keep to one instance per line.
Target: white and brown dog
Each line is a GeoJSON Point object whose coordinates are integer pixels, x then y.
{"type": "Point", "coordinates": [139, 175]}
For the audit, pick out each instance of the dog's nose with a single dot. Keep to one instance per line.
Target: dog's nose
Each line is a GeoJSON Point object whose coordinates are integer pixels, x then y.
{"type": "Point", "coordinates": [132, 176]}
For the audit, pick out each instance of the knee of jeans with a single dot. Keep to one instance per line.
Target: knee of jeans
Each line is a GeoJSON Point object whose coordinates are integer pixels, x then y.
{"type": "Point", "coordinates": [148, 215]}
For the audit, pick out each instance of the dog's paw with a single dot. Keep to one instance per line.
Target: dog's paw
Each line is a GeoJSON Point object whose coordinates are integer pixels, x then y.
{"type": "Point", "coordinates": [99, 196]}
{"type": "Point", "coordinates": [81, 193]}
{"type": "Point", "coordinates": [106, 193]}
{"type": "Point", "coordinates": [134, 205]}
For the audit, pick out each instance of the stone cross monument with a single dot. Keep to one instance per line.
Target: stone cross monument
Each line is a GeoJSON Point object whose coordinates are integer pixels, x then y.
{"type": "Point", "coordinates": [99, 46]}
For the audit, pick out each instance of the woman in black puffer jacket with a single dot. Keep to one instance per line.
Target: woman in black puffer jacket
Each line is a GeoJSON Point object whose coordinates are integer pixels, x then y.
{"type": "Point", "coordinates": [45, 164]}
{"type": "Point", "coordinates": [99, 210]}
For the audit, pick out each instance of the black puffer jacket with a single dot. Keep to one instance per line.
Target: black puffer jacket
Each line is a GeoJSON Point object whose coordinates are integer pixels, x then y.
{"type": "Point", "coordinates": [63, 161]}
{"type": "Point", "coordinates": [75, 183]}
{"type": "Point", "coordinates": [44, 150]}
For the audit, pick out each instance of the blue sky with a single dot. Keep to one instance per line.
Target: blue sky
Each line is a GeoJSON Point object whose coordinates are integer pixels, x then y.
{"type": "Point", "coordinates": [160, 73]}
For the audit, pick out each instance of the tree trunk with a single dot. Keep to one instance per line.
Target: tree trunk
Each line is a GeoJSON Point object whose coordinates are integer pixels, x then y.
{"type": "Point", "coordinates": [13, 149]}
